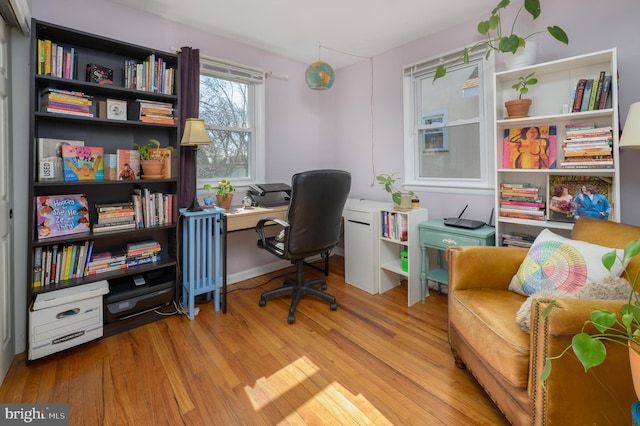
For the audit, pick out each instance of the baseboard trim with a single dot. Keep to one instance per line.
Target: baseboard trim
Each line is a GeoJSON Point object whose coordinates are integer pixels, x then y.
{"type": "Point", "coordinates": [270, 267]}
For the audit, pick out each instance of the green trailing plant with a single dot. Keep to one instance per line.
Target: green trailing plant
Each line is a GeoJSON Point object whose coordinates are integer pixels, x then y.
{"type": "Point", "coordinates": [388, 182]}
{"type": "Point", "coordinates": [496, 39]}
{"type": "Point", "coordinates": [619, 327]}
{"type": "Point", "coordinates": [523, 82]}
{"type": "Point", "coordinates": [149, 151]}
{"type": "Point", "coordinates": [225, 188]}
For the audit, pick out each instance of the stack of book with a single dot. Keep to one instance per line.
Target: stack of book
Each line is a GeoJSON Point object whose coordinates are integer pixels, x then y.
{"type": "Point", "coordinates": [143, 252]}
{"type": "Point", "coordinates": [518, 239]}
{"type": "Point", "coordinates": [107, 261]}
{"type": "Point", "coordinates": [56, 263]}
{"type": "Point", "coordinates": [521, 201]}
{"type": "Point", "coordinates": [152, 208]}
{"type": "Point", "coordinates": [151, 75]}
{"type": "Point", "coordinates": [587, 147]}
{"type": "Point", "coordinates": [66, 102]}
{"type": "Point", "coordinates": [394, 226]}
{"type": "Point", "coordinates": [592, 93]}
{"type": "Point", "coordinates": [56, 61]}
{"type": "Point", "coordinates": [155, 112]}
{"type": "Point", "coordinates": [115, 217]}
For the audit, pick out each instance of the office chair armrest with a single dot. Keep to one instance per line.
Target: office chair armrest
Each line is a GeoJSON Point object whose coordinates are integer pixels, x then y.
{"type": "Point", "coordinates": [261, 224]}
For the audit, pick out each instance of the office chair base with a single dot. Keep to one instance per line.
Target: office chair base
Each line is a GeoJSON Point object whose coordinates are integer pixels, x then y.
{"type": "Point", "coordinates": [297, 291]}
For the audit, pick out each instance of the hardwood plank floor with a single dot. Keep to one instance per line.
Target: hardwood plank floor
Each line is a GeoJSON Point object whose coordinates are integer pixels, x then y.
{"type": "Point", "coordinates": [373, 361]}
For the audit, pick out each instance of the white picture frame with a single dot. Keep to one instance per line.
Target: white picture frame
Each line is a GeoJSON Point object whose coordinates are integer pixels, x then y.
{"type": "Point", "coordinates": [116, 109]}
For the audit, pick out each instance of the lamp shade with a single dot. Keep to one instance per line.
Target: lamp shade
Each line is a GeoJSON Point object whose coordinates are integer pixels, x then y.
{"type": "Point", "coordinates": [195, 133]}
{"type": "Point", "coordinates": [319, 76]}
{"type": "Point", "coordinates": [631, 131]}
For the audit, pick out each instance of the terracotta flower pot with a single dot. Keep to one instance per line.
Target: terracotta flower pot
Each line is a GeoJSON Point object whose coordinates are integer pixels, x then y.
{"type": "Point", "coordinates": [151, 169]}
{"type": "Point", "coordinates": [634, 360]}
{"type": "Point", "coordinates": [518, 108]}
{"type": "Point", "coordinates": [225, 204]}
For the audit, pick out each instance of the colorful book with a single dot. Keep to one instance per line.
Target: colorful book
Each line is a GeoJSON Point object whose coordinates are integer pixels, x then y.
{"type": "Point", "coordinates": [587, 95]}
{"type": "Point", "coordinates": [529, 148]}
{"type": "Point", "coordinates": [128, 164]}
{"type": "Point", "coordinates": [83, 163]}
{"type": "Point", "coordinates": [577, 101]}
{"type": "Point", "coordinates": [59, 215]}
{"type": "Point", "coordinates": [50, 168]}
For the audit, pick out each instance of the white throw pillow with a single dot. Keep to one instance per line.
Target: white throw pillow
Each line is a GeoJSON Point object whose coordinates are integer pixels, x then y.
{"type": "Point", "coordinates": [558, 263]}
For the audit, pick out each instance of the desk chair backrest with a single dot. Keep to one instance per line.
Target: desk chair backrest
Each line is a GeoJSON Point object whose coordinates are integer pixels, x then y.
{"type": "Point", "coordinates": [315, 211]}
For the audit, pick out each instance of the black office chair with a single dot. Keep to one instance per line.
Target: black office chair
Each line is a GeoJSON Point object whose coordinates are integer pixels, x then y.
{"type": "Point", "coordinates": [312, 227]}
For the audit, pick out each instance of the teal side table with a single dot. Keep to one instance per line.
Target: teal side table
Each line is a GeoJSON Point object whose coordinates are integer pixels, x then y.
{"type": "Point", "coordinates": [436, 235]}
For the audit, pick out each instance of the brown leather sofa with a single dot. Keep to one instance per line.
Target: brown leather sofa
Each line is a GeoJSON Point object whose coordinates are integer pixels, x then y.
{"type": "Point", "coordinates": [507, 362]}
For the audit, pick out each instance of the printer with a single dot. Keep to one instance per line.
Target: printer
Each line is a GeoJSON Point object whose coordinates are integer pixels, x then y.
{"type": "Point", "coordinates": [269, 194]}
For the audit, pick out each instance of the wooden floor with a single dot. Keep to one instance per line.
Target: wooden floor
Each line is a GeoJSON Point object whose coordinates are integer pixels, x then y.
{"type": "Point", "coordinates": [373, 361]}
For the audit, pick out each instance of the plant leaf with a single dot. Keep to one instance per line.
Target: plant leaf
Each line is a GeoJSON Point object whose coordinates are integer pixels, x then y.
{"type": "Point", "coordinates": [559, 34]}
{"type": "Point", "coordinates": [440, 72]}
{"type": "Point", "coordinates": [547, 310]}
{"type": "Point", "coordinates": [590, 351]}
{"type": "Point", "coordinates": [502, 5]}
{"type": "Point", "coordinates": [484, 27]}
{"type": "Point", "coordinates": [465, 55]}
{"type": "Point", "coordinates": [509, 44]}
{"type": "Point", "coordinates": [609, 259]}
{"type": "Point", "coordinates": [631, 249]}
{"type": "Point", "coordinates": [494, 22]}
{"type": "Point", "coordinates": [603, 319]}
{"type": "Point", "coordinates": [546, 372]}
{"type": "Point", "coordinates": [533, 7]}
{"type": "Point", "coordinates": [532, 81]}
{"type": "Point", "coordinates": [396, 197]}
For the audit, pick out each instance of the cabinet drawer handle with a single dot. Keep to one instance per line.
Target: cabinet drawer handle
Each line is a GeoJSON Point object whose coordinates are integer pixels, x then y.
{"type": "Point", "coordinates": [450, 242]}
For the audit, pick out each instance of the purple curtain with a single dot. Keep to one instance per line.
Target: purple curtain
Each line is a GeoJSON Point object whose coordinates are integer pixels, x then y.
{"type": "Point", "coordinates": [188, 108]}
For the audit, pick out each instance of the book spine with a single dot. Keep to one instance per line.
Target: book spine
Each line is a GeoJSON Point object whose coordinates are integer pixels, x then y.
{"type": "Point", "coordinates": [594, 94]}
{"type": "Point", "coordinates": [577, 103]}
{"type": "Point", "coordinates": [142, 261]}
{"type": "Point", "coordinates": [587, 95]}
{"type": "Point", "coordinates": [606, 88]}
{"type": "Point", "coordinates": [37, 267]}
{"type": "Point", "coordinates": [596, 104]}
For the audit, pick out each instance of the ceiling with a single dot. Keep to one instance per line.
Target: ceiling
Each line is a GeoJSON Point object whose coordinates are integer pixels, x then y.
{"type": "Point", "coordinates": [347, 29]}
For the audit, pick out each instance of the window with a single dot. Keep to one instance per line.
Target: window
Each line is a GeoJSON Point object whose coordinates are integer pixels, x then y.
{"type": "Point", "coordinates": [447, 136]}
{"type": "Point", "coordinates": [232, 106]}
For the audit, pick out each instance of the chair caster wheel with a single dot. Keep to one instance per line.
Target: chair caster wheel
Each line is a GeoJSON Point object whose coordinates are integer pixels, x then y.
{"type": "Point", "coordinates": [333, 306]}
{"type": "Point", "coordinates": [323, 286]}
{"type": "Point", "coordinates": [291, 319]}
{"type": "Point", "coordinates": [262, 302]}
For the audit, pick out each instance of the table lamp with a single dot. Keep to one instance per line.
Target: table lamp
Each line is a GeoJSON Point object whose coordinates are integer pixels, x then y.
{"type": "Point", "coordinates": [195, 134]}
{"type": "Point", "coordinates": [631, 131]}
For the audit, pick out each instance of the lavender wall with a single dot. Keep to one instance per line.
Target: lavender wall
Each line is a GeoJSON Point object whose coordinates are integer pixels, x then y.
{"type": "Point", "coordinates": [581, 19]}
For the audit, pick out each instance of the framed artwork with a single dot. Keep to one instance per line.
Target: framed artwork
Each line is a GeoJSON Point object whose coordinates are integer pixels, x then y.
{"type": "Point", "coordinates": [116, 109]}
{"type": "Point", "coordinates": [572, 197]}
{"type": "Point", "coordinates": [529, 148]}
{"type": "Point", "coordinates": [434, 139]}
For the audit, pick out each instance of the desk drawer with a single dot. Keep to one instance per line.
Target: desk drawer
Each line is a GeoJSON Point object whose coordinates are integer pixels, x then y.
{"type": "Point", "coordinates": [445, 239]}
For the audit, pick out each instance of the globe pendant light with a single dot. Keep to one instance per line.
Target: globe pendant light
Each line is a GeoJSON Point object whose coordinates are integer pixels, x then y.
{"type": "Point", "coordinates": [319, 75]}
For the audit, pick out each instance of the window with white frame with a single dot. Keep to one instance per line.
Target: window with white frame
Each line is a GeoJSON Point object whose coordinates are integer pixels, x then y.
{"type": "Point", "coordinates": [232, 106]}
{"type": "Point", "coordinates": [447, 128]}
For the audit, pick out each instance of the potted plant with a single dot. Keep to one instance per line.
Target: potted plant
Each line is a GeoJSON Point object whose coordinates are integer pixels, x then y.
{"type": "Point", "coordinates": [224, 193]}
{"type": "Point", "coordinates": [152, 158]}
{"type": "Point", "coordinates": [401, 200]}
{"type": "Point", "coordinates": [495, 39]}
{"type": "Point", "coordinates": [618, 327]}
{"type": "Point", "coordinates": [519, 108]}
{"type": "Point", "coordinates": [208, 200]}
